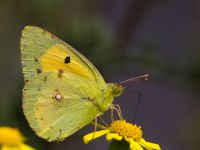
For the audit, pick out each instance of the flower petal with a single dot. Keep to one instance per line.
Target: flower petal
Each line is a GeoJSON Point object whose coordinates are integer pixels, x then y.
{"type": "Point", "coordinates": [87, 138]}
{"type": "Point", "coordinates": [148, 145]}
{"type": "Point", "coordinates": [9, 148]}
{"type": "Point", "coordinates": [18, 147]}
{"type": "Point", "coordinates": [133, 144]}
{"type": "Point", "coordinates": [5, 148]}
{"type": "Point", "coordinates": [111, 136]}
{"type": "Point", "coordinates": [25, 147]}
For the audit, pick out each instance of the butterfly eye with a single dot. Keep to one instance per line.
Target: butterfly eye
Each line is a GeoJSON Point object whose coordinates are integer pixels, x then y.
{"type": "Point", "coordinates": [58, 96]}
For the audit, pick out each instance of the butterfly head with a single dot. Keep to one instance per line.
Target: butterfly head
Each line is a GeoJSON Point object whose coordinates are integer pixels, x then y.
{"type": "Point", "coordinates": [112, 90]}
{"type": "Point", "coordinates": [115, 89]}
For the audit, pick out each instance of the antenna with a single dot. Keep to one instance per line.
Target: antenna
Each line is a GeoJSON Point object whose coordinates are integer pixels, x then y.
{"type": "Point", "coordinates": [137, 104]}
{"type": "Point", "coordinates": [135, 79]}
{"type": "Point", "coordinates": [139, 78]}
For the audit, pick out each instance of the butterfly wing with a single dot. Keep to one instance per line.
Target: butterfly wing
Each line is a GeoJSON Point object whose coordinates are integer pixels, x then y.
{"type": "Point", "coordinates": [49, 66]}
{"type": "Point", "coordinates": [43, 52]}
{"type": "Point", "coordinates": [54, 119]}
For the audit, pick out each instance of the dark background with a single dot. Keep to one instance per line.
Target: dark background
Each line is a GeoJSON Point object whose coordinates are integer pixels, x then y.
{"type": "Point", "coordinates": [123, 39]}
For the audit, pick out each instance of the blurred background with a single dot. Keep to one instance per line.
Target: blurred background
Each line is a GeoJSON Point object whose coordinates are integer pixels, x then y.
{"type": "Point", "coordinates": [123, 39]}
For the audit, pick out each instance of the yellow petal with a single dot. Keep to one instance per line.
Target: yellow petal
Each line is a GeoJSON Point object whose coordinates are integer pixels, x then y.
{"type": "Point", "coordinates": [10, 136]}
{"type": "Point", "coordinates": [9, 148]}
{"type": "Point", "coordinates": [128, 140]}
{"type": "Point", "coordinates": [87, 138]}
{"type": "Point", "coordinates": [133, 144]}
{"type": "Point", "coordinates": [25, 147]}
{"type": "Point", "coordinates": [148, 145]}
{"type": "Point", "coordinates": [5, 148]}
{"type": "Point", "coordinates": [18, 147]}
{"type": "Point", "coordinates": [111, 136]}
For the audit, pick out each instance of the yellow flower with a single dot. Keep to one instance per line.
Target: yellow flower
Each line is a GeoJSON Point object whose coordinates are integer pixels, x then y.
{"type": "Point", "coordinates": [12, 139]}
{"type": "Point", "coordinates": [120, 129]}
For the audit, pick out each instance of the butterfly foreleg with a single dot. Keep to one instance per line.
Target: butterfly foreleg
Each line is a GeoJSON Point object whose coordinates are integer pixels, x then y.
{"type": "Point", "coordinates": [102, 120]}
{"type": "Point", "coordinates": [115, 107]}
{"type": "Point", "coordinates": [95, 126]}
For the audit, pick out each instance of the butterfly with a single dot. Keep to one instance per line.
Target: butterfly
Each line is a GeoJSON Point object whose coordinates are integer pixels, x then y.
{"type": "Point", "coordinates": [63, 90]}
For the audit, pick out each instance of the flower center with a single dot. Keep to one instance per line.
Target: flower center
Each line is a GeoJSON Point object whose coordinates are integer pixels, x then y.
{"type": "Point", "coordinates": [10, 136]}
{"type": "Point", "coordinates": [126, 129]}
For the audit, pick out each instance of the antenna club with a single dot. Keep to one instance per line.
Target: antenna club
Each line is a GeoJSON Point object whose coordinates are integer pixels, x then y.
{"type": "Point", "coordinates": [146, 77]}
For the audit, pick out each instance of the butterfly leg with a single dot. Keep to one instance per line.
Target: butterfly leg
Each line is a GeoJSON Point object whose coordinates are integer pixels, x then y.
{"type": "Point", "coordinates": [118, 110]}
{"type": "Point", "coordinates": [95, 127]}
{"type": "Point", "coordinates": [102, 120]}
{"type": "Point", "coordinates": [112, 113]}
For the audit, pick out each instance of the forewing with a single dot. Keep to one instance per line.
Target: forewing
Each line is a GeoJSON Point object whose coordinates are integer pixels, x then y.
{"type": "Point", "coordinates": [43, 52]}
{"type": "Point", "coordinates": [54, 119]}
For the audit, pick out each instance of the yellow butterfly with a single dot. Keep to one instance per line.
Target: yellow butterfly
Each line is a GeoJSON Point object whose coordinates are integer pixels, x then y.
{"type": "Point", "coordinates": [63, 91]}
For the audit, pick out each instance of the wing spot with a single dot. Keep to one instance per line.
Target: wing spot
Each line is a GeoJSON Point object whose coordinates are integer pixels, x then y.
{"type": "Point", "coordinates": [26, 81]}
{"type": "Point", "coordinates": [25, 89]}
{"type": "Point", "coordinates": [36, 59]}
{"type": "Point", "coordinates": [58, 97]}
{"type": "Point", "coordinates": [88, 99]}
{"type": "Point", "coordinates": [67, 59]}
{"type": "Point", "coordinates": [60, 72]}
{"type": "Point", "coordinates": [39, 70]}
{"type": "Point", "coordinates": [91, 99]}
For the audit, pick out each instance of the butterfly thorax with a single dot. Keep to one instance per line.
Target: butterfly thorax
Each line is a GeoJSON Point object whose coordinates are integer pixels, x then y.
{"type": "Point", "coordinates": [111, 91]}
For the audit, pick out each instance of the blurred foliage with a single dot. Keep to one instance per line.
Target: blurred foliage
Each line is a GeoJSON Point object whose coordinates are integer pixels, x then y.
{"type": "Point", "coordinates": [146, 54]}
{"type": "Point", "coordinates": [192, 71]}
